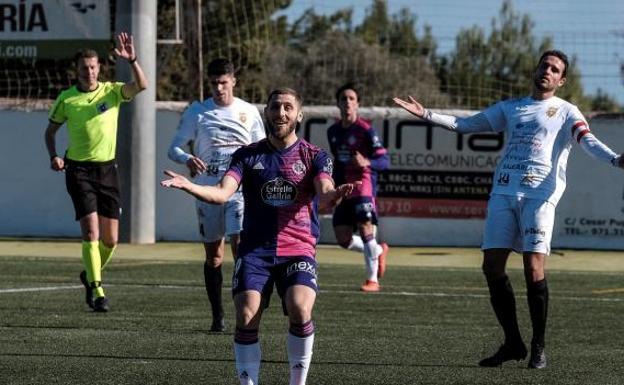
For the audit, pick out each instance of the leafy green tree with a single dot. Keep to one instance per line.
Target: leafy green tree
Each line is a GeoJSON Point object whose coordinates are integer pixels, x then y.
{"type": "Point", "coordinates": [603, 102]}
{"type": "Point", "coordinates": [396, 32]}
{"type": "Point", "coordinates": [242, 31]}
{"type": "Point", "coordinates": [484, 69]}
{"type": "Point", "coordinates": [383, 55]}
{"type": "Point", "coordinates": [340, 57]}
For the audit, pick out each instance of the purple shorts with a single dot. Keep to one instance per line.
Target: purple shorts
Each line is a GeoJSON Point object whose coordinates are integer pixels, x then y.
{"type": "Point", "coordinates": [260, 273]}
{"type": "Point", "coordinates": [355, 210]}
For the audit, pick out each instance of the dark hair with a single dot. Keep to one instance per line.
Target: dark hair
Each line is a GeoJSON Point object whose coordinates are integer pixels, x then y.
{"type": "Point", "coordinates": [348, 86]}
{"type": "Point", "coordinates": [85, 54]}
{"type": "Point", "coordinates": [558, 54]}
{"type": "Point", "coordinates": [285, 91]}
{"type": "Point", "coordinates": [220, 66]}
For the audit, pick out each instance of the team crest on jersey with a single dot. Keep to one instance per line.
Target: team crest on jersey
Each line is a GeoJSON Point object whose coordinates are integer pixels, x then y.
{"type": "Point", "coordinates": [242, 117]}
{"type": "Point", "coordinates": [278, 192]}
{"type": "Point", "coordinates": [551, 111]}
{"type": "Point", "coordinates": [298, 167]}
{"type": "Point", "coordinates": [102, 108]}
{"type": "Point", "coordinates": [351, 140]}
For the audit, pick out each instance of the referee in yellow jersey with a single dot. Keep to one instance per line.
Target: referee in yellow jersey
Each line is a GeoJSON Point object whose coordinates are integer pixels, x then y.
{"type": "Point", "coordinates": [90, 110]}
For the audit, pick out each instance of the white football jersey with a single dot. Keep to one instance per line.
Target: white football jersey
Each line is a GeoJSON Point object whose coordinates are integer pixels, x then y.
{"type": "Point", "coordinates": [216, 132]}
{"type": "Point", "coordinates": [539, 136]}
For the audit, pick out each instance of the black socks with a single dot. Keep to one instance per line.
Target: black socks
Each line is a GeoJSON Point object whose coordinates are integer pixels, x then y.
{"type": "Point", "coordinates": [504, 304]}
{"type": "Point", "coordinates": [213, 280]}
{"type": "Point", "coordinates": [537, 296]}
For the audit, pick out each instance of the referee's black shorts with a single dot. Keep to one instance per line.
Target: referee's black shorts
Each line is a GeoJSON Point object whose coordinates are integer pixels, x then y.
{"type": "Point", "coordinates": [93, 187]}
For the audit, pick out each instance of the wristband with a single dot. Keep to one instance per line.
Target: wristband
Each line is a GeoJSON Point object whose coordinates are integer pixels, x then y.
{"type": "Point", "coordinates": [131, 61]}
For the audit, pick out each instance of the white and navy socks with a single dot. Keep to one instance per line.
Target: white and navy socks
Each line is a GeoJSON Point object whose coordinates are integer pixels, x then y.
{"type": "Point", "coordinates": [299, 346]}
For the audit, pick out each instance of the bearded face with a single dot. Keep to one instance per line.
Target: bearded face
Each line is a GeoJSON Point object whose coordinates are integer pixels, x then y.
{"type": "Point", "coordinates": [282, 113]}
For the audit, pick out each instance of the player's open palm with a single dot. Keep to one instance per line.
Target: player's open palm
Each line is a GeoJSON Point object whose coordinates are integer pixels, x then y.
{"type": "Point", "coordinates": [411, 106]}
{"type": "Point", "coordinates": [344, 190]}
{"type": "Point", "coordinates": [176, 180]}
{"type": "Point", "coordinates": [125, 47]}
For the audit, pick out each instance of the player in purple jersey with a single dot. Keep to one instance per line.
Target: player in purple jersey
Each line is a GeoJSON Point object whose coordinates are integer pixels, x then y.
{"type": "Point", "coordinates": [358, 156]}
{"type": "Point", "coordinates": [529, 181]}
{"type": "Point", "coordinates": [284, 178]}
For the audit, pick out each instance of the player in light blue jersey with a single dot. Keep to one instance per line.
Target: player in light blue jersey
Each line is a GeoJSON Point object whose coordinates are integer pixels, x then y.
{"type": "Point", "coordinates": [529, 181]}
{"type": "Point", "coordinates": [215, 128]}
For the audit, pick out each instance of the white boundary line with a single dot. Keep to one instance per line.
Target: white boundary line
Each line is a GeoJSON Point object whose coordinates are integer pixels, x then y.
{"type": "Point", "coordinates": [382, 293]}
{"type": "Point", "coordinates": [36, 289]}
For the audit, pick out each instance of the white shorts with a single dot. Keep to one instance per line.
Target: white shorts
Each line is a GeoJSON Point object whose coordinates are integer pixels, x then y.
{"type": "Point", "coordinates": [217, 221]}
{"type": "Point", "coordinates": [518, 223]}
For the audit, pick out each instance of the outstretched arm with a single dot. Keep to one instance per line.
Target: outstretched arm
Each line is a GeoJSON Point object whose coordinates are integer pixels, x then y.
{"type": "Point", "coordinates": [411, 106]}
{"type": "Point", "coordinates": [125, 50]}
{"type": "Point", "coordinates": [218, 194]}
{"type": "Point", "coordinates": [330, 196]}
{"type": "Point", "coordinates": [593, 146]}
{"type": "Point", "coordinates": [474, 123]}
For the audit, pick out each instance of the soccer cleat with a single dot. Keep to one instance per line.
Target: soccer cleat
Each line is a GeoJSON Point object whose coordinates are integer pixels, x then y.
{"type": "Point", "coordinates": [218, 325]}
{"type": "Point", "coordinates": [88, 289]}
{"type": "Point", "coordinates": [505, 353]}
{"type": "Point", "coordinates": [381, 260]}
{"type": "Point", "coordinates": [370, 286]}
{"type": "Point", "coordinates": [538, 357]}
{"type": "Point", "coordinates": [101, 305]}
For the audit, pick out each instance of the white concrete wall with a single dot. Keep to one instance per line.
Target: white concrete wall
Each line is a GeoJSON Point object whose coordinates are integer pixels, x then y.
{"type": "Point", "coordinates": [34, 202]}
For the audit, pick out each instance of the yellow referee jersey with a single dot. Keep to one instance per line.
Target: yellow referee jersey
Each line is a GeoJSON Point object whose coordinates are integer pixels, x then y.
{"type": "Point", "coordinates": [91, 119]}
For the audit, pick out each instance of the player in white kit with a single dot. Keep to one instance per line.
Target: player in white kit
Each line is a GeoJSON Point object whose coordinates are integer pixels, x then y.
{"type": "Point", "coordinates": [215, 128]}
{"type": "Point", "coordinates": [529, 181]}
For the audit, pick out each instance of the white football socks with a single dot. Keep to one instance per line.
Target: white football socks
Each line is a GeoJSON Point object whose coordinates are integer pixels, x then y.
{"type": "Point", "coordinates": [356, 244]}
{"type": "Point", "coordinates": [299, 357]}
{"type": "Point", "coordinates": [247, 362]}
{"type": "Point", "coordinates": [371, 254]}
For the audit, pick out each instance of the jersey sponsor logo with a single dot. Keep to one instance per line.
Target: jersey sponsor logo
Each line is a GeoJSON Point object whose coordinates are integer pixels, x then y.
{"type": "Point", "coordinates": [514, 166]}
{"type": "Point", "coordinates": [343, 155]}
{"type": "Point", "coordinates": [278, 192]}
{"type": "Point", "coordinates": [551, 111]}
{"type": "Point", "coordinates": [298, 167]}
{"type": "Point", "coordinates": [301, 267]}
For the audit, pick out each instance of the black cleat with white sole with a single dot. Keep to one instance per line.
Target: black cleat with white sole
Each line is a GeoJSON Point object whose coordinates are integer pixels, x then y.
{"type": "Point", "coordinates": [507, 352]}
{"type": "Point", "coordinates": [538, 357]}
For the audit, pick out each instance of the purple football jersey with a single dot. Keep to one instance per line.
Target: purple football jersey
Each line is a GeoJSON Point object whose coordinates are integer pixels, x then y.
{"type": "Point", "coordinates": [344, 142]}
{"type": "Point", "coordinates": [280, 216]}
